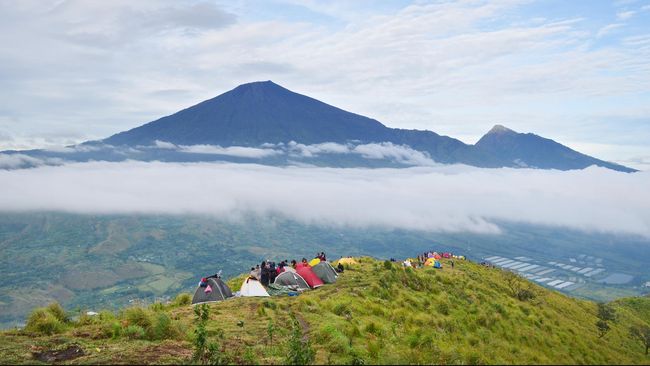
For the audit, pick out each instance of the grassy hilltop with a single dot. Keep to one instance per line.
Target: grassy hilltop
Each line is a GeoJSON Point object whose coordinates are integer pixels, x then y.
{"type": "Point", "coordinates": [377, 312]}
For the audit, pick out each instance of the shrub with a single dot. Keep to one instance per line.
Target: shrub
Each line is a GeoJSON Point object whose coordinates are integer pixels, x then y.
{"type": "Point", "coordinates": [138, 316]}
{"type": "Point", "coordinates": [57, 311]}
{"type": "Point", "coordinates": [44, 322]}
{"type": "Point", "coordinates": [182, 299]}
{"type": "Point", "coordinates": [164, 328]}
{"type": "Point", "coordinates": [388, 265]}
{"type": "Point", "coordinates": [133, 332]}
{"type": "Point", "coordinates": [341, 309]}
{"type": "Point", "coordinates": [373, 328]}
{"type": "Point", "coordinates": [443, 308]}
{"type": "Point", "coordinates": [85, 319]}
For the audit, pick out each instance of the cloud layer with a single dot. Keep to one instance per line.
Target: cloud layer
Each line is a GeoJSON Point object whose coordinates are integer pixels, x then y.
{"type": "Point", "coordinates": [444, 198]}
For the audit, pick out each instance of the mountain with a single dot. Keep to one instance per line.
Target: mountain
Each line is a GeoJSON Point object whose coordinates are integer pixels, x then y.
{"type": "Point", "coordinates": [264, 114]}
{"type": "Point", "coordinates": [508, 146]}
{"type": "Point", "coordinates": [376, 313]}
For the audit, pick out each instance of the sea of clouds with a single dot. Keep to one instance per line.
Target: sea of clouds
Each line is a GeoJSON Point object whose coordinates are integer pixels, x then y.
{"type": "Point", "coordinates": [452, 198]}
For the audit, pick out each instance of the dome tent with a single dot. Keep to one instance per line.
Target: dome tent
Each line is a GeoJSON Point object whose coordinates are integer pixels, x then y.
{"type": "Point", "coordinates": [252, 288]}
{"type": "Point", "coordinates": [220, 291]}
{"type": "Point", "coordinates": [310, 277]}
{"type": "Point", "coordinates": [292, 280]}
{"type": "Point", "coordinates": [325, 272]}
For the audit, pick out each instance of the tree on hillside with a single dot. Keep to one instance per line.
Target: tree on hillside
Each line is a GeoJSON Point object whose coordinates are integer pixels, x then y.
{"type": "Point", "coordinates": [603, 328]}
{"type": "Point", "coordinates": [641, 333]}
{"type": "Point", "coordinates": [606, 312]}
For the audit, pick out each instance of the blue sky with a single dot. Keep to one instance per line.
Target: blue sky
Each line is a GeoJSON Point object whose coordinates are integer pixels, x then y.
{"type": "Point", "coordinates": [575, 71]}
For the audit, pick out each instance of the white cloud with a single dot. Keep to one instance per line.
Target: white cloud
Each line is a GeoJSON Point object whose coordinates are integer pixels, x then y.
{"type": "Point", "coordinates": [165, 145]}
{"type": "Point", "coordinates": [608, 29]}
{"type": "Point", "coordinates": [445, 198]}
{"type": "Point", "coordinates": [238, 151]}
{"type": "Point", "coordinates": [15, 161]}
{"type": "Point", "coordinates": [624, 15]}
{"type": "Point", "coordinates": [401, 154]}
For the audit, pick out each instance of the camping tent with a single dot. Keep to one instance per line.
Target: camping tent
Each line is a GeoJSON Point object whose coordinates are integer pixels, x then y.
{"type": "Point", "coordinates": [348, 260]}
{"type": "Point", "coordinates": [220, 291]}
{"type": "Point", "coordinates": [252, 287]}
{"type": "Point", "coordinates": [325, 272]}
{"type": "Point", "coordinates": [432, 262]}
{"type": "Point", "coordinates": [291, 280]}
{"type": "Point", "coordinates": [310, 277]}
{"type": "Point", "coordinates": [314, 262]}
{"type": "Point", "coordinates": [446, 255]}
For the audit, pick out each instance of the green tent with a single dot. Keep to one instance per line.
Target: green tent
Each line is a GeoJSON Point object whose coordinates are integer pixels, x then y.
{"type": "Point", "coordinates": [220, 291]}
{"type": "Point", "coordinates": [325, 272]}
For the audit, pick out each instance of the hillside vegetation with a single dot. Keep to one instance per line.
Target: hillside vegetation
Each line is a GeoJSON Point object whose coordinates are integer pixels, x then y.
{"type": "Point", "coordinates": [377, 312]}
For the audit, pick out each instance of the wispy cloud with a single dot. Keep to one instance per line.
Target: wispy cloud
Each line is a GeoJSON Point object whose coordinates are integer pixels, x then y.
{"type": "Point", "coordinates": [624, 15]}
{"type": "Point", "coordinates": [445, 198]}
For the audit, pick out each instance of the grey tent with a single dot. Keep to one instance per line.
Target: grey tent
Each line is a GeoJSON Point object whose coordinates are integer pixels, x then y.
{"type": "Point", "coordinates": [220, 292]}
{"type": "Point", "coordinates": [325, 272]}
{"type": "Point", "coordinates": [292, 280]}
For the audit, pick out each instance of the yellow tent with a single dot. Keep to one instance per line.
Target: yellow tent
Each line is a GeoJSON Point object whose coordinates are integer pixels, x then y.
{"type": "Point", "coordinates": [314, 262]}
{"type": "Point", "coordinates": [348, 260]}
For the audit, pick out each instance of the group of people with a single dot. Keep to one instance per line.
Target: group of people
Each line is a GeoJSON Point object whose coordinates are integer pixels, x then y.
{"type": "Point", "coordinates": [267, 271]}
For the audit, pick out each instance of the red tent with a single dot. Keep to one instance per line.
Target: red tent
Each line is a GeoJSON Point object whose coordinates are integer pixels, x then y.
{"type": "Point", "coordinates": [310, 277]}
{"type": "Point", "coordinates": [446, 255]}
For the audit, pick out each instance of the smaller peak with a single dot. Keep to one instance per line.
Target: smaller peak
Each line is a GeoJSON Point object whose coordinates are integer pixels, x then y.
{"type": "Point", "coordinates": [500, 129]}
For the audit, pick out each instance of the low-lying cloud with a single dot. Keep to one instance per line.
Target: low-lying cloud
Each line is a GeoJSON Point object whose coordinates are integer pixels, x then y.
{"type": "Point", "coordinates": [443, 198]}
{"type": "Point", "coordinates": [401, 154]}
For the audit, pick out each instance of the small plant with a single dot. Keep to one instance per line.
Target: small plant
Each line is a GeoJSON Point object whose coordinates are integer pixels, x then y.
{"type": "Point", "coordinates": [205, 353]}
{"type": "Point", "coordinates": [183, 299]}
{"type": "Point", "coordinates": [134, 332]}
{"type": "Point", "coordinates": [270, 331]}
{"type": "Point", "coordinates": [299, 349]}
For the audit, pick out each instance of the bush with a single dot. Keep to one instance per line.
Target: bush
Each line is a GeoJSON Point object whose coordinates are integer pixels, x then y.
{"type": "Point", "coordinates": [164, 328]}
{"type": "Point", "coordinates": [183, 299]}
{"type": "Point", "coordinates": [138, 316]}
{"type": "Point", "coordinates": [57, 311]}
{"type": "Point", "coordinates": [44, 322]}
{"type": "Point", "coordinates": [134, 332]}
{"type": "Point", "coordinates": [443, 308]}
{"type": "Point", "coordinates": [388, 265]}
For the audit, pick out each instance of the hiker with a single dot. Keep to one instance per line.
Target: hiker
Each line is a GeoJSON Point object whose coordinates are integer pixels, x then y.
{"type": "Point", "coordinates": [264, 278]}
{"type": "Point", "coordinates": [452, 264]}
{"type": "Point", "coordinates": [340, 268]}
{"type": "Point", "coordinates": [322, 257]}
{"type": "Point", "coordinates": [253, 274]}
{"type": "Point", "coordinates": [272, 272]}
{"type": "Point", "coordinates": [304, 262]}
{"type": "Point", "coordinates": [293, 263]}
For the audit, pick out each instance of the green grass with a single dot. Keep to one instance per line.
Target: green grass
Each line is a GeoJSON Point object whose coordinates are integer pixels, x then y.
{"type": "Point", "coordinates": [377, 313]}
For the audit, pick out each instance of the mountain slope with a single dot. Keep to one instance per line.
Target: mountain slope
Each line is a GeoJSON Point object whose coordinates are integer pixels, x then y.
{"type": "Point", "coordinates": [507, 147]}
{"type": "Point", "coordinates": [376, 313]}
{"type": "Point", "coordinates": [253, 114]}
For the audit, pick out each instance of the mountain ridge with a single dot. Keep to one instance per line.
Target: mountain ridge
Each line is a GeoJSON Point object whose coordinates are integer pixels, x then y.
{"type": "Point", "coordinates": [262, 113]}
